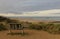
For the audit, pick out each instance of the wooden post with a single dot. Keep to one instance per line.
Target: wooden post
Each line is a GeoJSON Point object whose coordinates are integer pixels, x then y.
{"type": "Point", "coordinates": [22, 30]}
{"type": "Point", "coordinates": [9, 29]}
{"type": "Point", "coordinates": [14, 25]}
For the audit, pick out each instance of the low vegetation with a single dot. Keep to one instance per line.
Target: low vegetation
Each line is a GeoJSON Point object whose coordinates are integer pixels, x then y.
{"type": "Point", "coordinates": [35, 26]}
{"type": "Point", "coordinates": [2, 27]}
{"type": "Point", "coordinates": [49, 27]}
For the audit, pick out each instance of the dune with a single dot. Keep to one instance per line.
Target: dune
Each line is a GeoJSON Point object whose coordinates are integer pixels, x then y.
{"type": "Point", "coordinates": [32, 34]}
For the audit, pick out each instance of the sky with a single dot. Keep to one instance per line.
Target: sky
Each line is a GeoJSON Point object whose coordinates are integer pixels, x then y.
{"type": "Point", "coordinates": [30, 7]}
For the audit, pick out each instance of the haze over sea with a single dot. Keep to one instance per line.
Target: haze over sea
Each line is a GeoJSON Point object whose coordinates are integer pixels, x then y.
{"type": "Point", "coordinates": [39, 18]}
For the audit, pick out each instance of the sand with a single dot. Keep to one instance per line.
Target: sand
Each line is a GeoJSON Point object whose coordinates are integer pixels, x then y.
{"type": "Point", "coordinates": [32, 34]}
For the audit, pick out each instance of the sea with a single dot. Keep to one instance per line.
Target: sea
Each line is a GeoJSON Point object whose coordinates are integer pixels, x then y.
{"type": "Point", "coordinates": [40, 18]}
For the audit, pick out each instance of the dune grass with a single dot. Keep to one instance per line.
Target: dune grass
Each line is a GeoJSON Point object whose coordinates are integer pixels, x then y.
{"type": "Point", "coordinates": [2, 27]}
{"type": "Point", "coordinates": [48, 27]}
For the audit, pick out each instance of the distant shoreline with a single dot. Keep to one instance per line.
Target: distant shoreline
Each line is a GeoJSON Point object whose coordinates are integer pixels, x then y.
{"type": "Point", "coordinates": [38, 18]}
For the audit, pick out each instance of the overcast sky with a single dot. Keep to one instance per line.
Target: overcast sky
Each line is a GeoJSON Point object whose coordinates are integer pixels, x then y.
{"type": "Point", "coordinates": [20, 7]}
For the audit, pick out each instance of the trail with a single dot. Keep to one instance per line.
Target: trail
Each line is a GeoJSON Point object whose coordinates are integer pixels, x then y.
{"type": "Point", "coordinates": [32, 34]}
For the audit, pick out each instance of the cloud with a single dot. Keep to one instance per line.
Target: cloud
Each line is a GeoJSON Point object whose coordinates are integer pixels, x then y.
{"type": "Point", "coordinates": [17, 6]}
{"type": "Point", "coordinates": [53, 12]}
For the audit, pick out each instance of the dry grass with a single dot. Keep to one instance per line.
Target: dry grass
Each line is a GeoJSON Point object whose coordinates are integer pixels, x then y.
{"type": "Point", "coordinates": [32, 34]}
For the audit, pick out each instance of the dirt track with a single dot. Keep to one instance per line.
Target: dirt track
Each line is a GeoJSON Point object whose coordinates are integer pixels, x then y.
{"type": "Point", "coordinates": [32, 34]}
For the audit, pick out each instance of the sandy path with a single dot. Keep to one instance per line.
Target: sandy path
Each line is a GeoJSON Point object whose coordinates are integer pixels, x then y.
{"type": "Point", "coordinates": [33, 34]}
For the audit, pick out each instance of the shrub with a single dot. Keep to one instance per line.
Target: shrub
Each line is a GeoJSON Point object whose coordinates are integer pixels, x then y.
{"type": "Point", "coordinates": [35, 26]}
{"type": "Point", "coordinates": [54, 29]}
{"type": "Point", "coordinates": [49, 26]}
{"type": "Point", "coordinates": [43, 25]}
{"type": "Point", "coordinates": [2, 27]}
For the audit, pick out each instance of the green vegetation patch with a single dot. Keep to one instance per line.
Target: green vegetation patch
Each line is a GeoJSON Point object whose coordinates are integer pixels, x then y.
{"type": "Point", "coordinates": [2, 27]}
